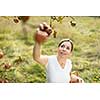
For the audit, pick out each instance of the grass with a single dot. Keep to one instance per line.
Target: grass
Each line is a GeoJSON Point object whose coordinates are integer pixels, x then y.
{"type": "Point", "coordinates": [18, 49]}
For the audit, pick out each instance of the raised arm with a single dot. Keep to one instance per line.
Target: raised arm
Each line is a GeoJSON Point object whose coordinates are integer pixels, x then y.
{"type": "Point", "coordinates": [41, 35]}
{"type": "Point", "coordinates": [37, 56]}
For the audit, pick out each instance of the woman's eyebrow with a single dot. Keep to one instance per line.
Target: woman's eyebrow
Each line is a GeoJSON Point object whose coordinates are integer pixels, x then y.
{"type": "Point", "coordinates": [62, 45]}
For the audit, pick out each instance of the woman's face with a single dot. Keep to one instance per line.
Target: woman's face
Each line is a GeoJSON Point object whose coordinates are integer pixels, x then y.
{"type": "Point", "coordinates": [64, 50]}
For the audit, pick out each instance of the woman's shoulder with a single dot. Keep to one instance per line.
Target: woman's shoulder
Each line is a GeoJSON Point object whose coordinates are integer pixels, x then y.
{"type": "Point", "coordinates": [52, 56]}
{"type": "Point", "coordinates": [69, 61]}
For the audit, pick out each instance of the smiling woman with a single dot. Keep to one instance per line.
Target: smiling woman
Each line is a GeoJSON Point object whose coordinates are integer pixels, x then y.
{"type": "Point", "coordinates": [58, 67]}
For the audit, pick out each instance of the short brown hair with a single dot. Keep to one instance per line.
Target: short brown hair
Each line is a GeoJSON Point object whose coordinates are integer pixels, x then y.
{"type": "Point", "coordinates": [66, 40]}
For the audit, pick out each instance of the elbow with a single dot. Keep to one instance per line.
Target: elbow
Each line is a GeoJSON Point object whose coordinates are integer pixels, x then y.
{"type": "Point", "coordinates": [35, 58]}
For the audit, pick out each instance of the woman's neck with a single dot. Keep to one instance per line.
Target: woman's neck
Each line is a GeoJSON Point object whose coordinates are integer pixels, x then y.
{"type": "Point", "coordinates": [61, 61]}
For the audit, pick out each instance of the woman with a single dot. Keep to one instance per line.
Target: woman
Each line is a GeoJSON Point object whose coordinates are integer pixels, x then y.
{"type": "Point", "coordinates": [58, 67]}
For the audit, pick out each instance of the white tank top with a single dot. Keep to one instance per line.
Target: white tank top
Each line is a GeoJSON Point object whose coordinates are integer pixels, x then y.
{"type": "Point", "coordinates": [56, 74]}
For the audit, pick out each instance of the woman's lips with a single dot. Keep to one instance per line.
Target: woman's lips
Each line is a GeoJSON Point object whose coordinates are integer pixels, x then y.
{"type": "Point", "coordinates": [63, 53]}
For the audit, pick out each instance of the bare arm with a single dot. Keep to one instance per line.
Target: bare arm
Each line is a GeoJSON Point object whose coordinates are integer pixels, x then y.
{"type": "Point", "coordinates": [42, 34]}
{"type": "Point", "coordinates": [37, 56]}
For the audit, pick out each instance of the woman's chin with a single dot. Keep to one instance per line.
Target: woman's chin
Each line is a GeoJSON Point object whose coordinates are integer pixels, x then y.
{"type": "Point", "coordinates": [63, 55]}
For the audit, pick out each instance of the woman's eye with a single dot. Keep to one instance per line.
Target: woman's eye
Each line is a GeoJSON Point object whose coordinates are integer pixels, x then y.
{"type": "Point", "coordinates": [62, 46]}
{"type": "Point", "coordinates": [68, 48]}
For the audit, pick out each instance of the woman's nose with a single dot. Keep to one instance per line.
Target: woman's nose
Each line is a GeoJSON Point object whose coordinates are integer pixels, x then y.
{"type": "Point", "coordinates": [64, 49]}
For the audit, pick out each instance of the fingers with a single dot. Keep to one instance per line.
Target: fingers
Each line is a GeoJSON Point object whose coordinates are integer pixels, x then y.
{"type": "Point", "coordinates": [42, 33]}
{"type": "Point", "coordinates": [40, 36]}
{"type": "Point", "coordinates": [76, 79]}
{"type": "Point", "coordinates": [80, 80]}
{"type": "Point", "coordinates": [46, 28]}
{"type": "Point", "coordinates": [41, 27]}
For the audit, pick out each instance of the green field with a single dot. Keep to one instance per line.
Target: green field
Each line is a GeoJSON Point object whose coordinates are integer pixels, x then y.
{"type": "Point", "coordinates": [17, 48]}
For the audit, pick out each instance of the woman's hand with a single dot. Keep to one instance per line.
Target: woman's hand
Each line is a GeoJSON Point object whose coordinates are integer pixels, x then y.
{"type": "Point", "coordinates": [42, 33]}
{"type": "Point", "coordinates": [76, 79]}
